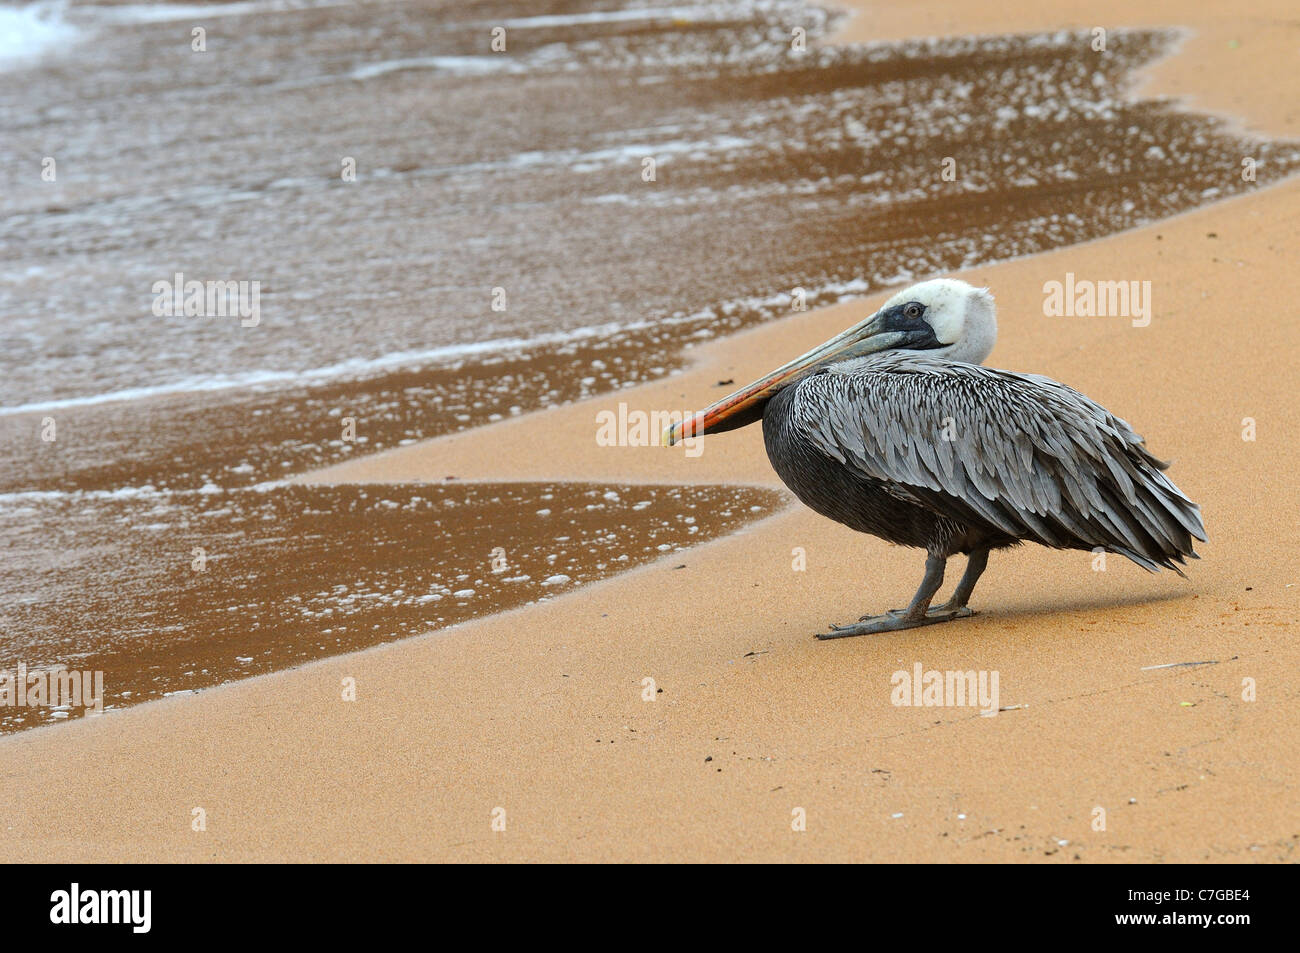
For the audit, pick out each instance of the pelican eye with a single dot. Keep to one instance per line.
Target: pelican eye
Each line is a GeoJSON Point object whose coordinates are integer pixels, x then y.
{"type": "Point", "coordinates": [913, 310]}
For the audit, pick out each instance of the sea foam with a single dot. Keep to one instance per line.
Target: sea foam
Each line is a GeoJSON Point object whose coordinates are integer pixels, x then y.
{"type": "Point", "coordinates": [30, 32]}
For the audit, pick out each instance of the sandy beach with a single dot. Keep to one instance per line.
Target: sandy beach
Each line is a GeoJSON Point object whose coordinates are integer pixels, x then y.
{"type": "Point", "coordinates": [541, 720]}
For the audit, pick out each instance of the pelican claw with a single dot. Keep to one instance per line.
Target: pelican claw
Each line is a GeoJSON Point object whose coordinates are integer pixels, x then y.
{"type": "Point", "coordinates": [894, 621]}
{"type": "Point", "coordinates": [945, 614]}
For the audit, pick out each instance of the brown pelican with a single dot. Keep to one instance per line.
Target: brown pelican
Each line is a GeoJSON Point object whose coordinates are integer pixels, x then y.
{"type": "Point", "coordinates": [894, 428]}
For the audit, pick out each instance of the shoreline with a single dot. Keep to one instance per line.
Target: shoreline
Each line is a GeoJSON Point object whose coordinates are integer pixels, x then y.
{"type": "Point", "coordinates": [460, 451]}
{"type": "Point", "coordinates": [1029, 631]}
{"type": "Point", "coordinates": [1192, 75]}
{"type": "Point", "coordinates": [539, 709]}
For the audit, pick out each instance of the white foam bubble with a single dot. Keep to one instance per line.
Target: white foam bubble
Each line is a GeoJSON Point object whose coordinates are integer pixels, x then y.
{"type": "Point", "coordinates": [29, 33]}
{"type": "Point", "coordinates": [459, 65]}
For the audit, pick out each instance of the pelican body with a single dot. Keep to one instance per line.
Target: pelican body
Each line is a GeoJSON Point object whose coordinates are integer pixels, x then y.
{"type": "Point", "coordinates": [894, 428]}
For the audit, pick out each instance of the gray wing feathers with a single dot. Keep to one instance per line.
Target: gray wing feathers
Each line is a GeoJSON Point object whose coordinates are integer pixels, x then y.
{"type": "Point", "coordinates": [1017, 453]}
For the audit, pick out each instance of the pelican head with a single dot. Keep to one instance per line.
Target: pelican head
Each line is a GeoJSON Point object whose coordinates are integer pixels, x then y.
{"type": "Point", "coordinates": [944, 317]}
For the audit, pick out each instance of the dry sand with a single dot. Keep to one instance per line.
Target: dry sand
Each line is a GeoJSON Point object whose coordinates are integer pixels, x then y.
{"type": "Point", "coordinates": [539, 711]}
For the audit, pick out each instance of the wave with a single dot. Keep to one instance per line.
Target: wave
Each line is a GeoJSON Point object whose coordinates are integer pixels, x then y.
{"type": "Point", "coordinates": [354, 368]}
{"type": "Point", "coordinates": [359, 368]}
{"type": "Point", "coordinates": [175, 12]}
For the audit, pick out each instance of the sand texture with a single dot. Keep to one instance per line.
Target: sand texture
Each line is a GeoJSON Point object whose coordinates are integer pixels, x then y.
{"type": "Point", "coordinates": [541, 712]}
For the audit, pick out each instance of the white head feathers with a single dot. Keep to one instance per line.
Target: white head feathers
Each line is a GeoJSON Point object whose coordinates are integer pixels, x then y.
{"type": "Point", "coordinates": [962, 317]}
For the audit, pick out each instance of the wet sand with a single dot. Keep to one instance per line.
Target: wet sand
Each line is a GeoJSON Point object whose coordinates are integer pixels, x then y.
{"type": "Point", "coordinates": [172, 592]}
{"type": "Point", "coordinates": [540, 711]}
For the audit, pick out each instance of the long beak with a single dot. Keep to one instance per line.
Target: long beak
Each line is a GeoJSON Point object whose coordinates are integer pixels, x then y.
{"type": "Point", "coordinates": [745, 405]}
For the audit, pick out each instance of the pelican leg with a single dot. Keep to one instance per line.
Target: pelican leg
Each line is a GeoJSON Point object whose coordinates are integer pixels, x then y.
{"type": "Point", "coordinates": [914, 615]}
{"type": "Point", "coordinates": [955, 607]}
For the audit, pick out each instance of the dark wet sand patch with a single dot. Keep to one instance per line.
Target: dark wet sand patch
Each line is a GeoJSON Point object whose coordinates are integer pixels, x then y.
{"type": "Point", "coordinates": [239, 438]}
{"type": "Point", "coordinates": [111, 582]}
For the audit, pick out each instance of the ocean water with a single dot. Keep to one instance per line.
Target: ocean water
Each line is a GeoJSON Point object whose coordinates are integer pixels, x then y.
{"type": "Point", "coordinates": [522, 171]}
{"type": "Point", "coordinates": [524, 227]}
